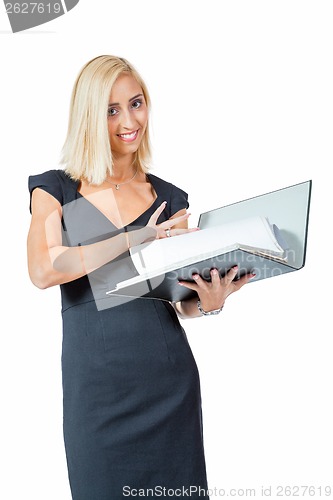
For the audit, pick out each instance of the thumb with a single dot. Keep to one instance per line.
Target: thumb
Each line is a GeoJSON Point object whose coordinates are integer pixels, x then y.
{"type": "Point", "coordinates": [157, 213]}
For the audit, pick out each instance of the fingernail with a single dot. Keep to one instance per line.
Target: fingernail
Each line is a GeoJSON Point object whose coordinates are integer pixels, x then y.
{"type": "Point", "coordinates": [214, 271]}
{"type": "Point", "coordinates": [165, 202]}
{"type": "Point", "coordinates": [195, 276]}
{"type": "Point", "coordinates": [235, 268]}
{"type": "Point", "coordinates": [252, 276]}
{"type": "Point", "coordinates": [180, 283]}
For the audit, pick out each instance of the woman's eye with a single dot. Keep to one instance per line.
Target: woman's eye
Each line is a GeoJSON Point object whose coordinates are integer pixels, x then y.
{"type": "Point", "coordinates": [112, 111]}
{"type": "Point", "coordinates": [136, 104]}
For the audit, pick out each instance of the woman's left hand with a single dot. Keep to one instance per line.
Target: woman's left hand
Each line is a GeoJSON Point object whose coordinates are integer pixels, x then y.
{"type": "Point", "coordinates": [213, 294]}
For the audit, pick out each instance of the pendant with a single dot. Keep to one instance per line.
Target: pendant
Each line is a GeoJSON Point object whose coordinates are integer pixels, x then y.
{"type": "Point", "coordinates": [117, 187]}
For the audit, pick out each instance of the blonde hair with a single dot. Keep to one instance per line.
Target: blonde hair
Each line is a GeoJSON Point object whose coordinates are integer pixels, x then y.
{"type": "Point", "coordinates": [86, 153]}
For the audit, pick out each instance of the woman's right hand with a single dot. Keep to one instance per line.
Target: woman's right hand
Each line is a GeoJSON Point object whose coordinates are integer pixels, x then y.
{"type": "Point", "coordinates": [162, 229]}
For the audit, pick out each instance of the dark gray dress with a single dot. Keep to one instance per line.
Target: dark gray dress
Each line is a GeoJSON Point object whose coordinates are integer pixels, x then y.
{"type": "Point", "coordinates": [132, 407]}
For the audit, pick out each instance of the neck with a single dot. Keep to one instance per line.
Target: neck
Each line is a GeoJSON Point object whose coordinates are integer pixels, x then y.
{"type": "Point", "coordinates": [123, 168]}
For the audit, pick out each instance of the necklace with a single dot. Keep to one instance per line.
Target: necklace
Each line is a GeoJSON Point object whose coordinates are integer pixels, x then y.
{"type": "Point", "coordinates": [121, 183]}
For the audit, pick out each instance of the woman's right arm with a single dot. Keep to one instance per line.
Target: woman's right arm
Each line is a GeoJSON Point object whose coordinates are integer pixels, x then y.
{"type": "Point", "coordinates": [51, 263]}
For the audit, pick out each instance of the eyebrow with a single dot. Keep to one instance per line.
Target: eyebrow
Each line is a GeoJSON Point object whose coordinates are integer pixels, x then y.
{"type": "Point", "coordinates": [130, 100]}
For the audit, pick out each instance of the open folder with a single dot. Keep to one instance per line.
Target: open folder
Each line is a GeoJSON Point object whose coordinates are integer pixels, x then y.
{"type": "Point", "coordinates": [265, 235]}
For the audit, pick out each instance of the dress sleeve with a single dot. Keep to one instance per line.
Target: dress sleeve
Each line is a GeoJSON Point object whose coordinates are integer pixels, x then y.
{"type": "Point", "coordinates": [178, 200]}
{"type": "Point", "coordinates": [49, 182]}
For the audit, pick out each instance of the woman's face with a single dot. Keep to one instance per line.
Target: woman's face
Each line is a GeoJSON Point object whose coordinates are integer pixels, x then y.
{"type": "Point", "coordinates": [127, 116]}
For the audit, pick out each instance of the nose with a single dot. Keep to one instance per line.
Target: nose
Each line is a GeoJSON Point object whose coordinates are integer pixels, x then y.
{"type": "Point", "coordinates": [127, 121]}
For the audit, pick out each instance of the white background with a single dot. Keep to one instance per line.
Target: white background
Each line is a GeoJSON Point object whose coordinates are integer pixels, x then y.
{"type": "Point", "coordinates": [242, 105]}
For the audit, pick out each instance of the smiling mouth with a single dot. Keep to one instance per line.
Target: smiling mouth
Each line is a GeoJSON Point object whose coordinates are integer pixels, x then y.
{"type": "Point", "coordinates": [128, 137]}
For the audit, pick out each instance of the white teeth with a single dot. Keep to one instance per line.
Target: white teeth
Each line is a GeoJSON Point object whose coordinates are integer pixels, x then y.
{"type": "Point", "coordinates": [128, 136]}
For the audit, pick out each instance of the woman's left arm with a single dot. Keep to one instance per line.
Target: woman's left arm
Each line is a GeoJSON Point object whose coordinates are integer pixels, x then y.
{"type": "Point", "coordinates": [213, 294]}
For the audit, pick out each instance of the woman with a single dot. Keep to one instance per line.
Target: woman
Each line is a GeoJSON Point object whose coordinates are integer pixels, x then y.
{"type": "Point", "coordinates": [132, 409]}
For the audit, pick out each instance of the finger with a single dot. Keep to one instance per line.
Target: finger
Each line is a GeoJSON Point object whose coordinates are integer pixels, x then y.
{"type": "Point", "coordinates": [231, 274]}
{"type": "Point", "coordinates": [157, 213]}
{"type": "Point", "coordinates": [215, 278]}
{"type": "Point", "coordinates": [177, 232]}
{"type": "Point", "coordinates": [200, 281]}
{"type": "Point", "coordinates": [188, 284]}
{"type": "Point", "coordinates": [243, 280]}
{"type": "Point", "coordinates": [173, 222]}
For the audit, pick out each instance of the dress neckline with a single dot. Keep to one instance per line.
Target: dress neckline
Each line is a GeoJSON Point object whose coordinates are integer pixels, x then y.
{"type": "Point", "coordinates": [150, 180]}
